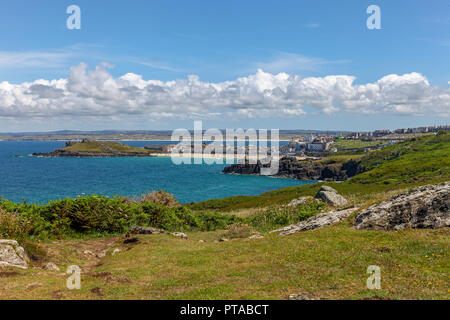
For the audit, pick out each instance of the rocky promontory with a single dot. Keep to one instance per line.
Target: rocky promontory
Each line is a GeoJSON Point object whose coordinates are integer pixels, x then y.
{"type": "Point", "coordinates": [91, 148]}
{"type": "Point", "coordinates": [303, 170]}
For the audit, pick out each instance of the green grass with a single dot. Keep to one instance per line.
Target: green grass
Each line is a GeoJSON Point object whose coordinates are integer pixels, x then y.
{"type": "Point", "coordinates": [328, 263]}
{"type": "Point", "coordinates": [92, 146]}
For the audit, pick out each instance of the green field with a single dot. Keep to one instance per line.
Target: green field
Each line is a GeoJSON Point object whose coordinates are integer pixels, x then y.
{"type": "Point", "coordinates": [93, 146]}
{"type": "Point", "coordinates": [328, 263]}
{"type": "Point", "coordinates": [353, 144]}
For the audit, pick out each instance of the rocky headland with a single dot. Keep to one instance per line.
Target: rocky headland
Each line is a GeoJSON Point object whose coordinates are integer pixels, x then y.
{"type": "Point", "coordinates": [303, 170]}
{"type": "Point", "coordinates": [91, 148]}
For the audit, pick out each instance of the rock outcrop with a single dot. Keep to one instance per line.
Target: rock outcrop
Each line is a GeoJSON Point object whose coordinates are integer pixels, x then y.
{"type": "Point", "coordinates": [145, 230]}
{"type": "Point", "coordinates": [180, 235]}
{"type": "Point", "coordinates": [331, 196]}
{"type": "Point", "coordinates": [316, 222]}
{"type": "Point", "coordinates": [423, 207]}
{"type": "Point", "coordinates": [302, 170]}
{"type": "Point", "coordinates": [13, 255]}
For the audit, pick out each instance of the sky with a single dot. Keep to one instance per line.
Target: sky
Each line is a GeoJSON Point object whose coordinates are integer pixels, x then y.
{"type": "Point", "coordinates": [301, 64]}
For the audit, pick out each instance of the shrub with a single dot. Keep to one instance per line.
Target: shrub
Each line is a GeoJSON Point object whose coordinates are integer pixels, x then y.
{"type": "Point", "coordinates": [13, 225]}
{"type": "Point", "coordinates": [100, 215]}
{"type": "Point", "coordinates": [160, 197]}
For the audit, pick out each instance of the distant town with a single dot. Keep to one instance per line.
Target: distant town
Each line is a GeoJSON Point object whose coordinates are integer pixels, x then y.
{"type": "Point", "coordinates": [319, 144]}
{"type": "Point", "coordinates": [298, 143]}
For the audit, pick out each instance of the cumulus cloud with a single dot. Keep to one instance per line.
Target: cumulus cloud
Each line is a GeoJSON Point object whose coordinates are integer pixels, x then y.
{"type": "Point", "coordinates": [96, 93]}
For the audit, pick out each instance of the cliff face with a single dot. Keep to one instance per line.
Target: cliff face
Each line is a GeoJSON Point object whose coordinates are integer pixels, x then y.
{"type": "Point", "coordinates": [303, 170]}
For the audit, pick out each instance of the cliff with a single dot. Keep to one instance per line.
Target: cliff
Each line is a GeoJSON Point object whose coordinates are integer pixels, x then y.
{"type": "Point", "coordinates": [331, 170]}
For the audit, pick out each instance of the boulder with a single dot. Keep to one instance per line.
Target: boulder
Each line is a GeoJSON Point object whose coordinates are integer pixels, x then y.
{"type": "Point", "coordinates": [302, 296]}
{"type": "Point", "coordinates": [51, 267]}
{"type": "Point", "coordinates": [423, 207]}
{"type": "Point", "coordinates": [13, 255]}
{"type": "Point", "coordinates": [180, 235]}
{"type": "Point", "coordinates": [145, 230]}
{"type": "Point", "coordinates": [331, 196]}
{"type": "Point", "coordinates": [316, 222]}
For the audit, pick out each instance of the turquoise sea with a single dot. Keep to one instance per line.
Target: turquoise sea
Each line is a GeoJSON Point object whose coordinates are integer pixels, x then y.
{"type": "Point", "coordinates": [37, 180]}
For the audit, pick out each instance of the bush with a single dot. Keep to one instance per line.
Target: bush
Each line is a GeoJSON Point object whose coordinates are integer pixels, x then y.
{"type": "Point", "coordinates": [101, 215]}
{"type": "Point", "coordinates": [13, 225]}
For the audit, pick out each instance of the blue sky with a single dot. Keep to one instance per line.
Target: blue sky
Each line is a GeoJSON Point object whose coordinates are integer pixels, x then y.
{"type": "Point", "coordinates": [222, 41]}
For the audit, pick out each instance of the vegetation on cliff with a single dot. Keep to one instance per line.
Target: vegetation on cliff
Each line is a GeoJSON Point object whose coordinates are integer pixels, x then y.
{"type": "Point", "coordinates": [93, 148]}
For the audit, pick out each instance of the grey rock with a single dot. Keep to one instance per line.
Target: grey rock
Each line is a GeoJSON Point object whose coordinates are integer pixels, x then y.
{"type": "Point", "coordinates": [331, 196]}
{"type": "Point", "coordinates": [180, 235]}
{"type": "Point", "coordinates": [51, 267]}
{"type": "Point", "coordinates": [302, 296]}
{"type": "Point", "coordinates": [145, 230]}
{"type": "Point", "coordinates": [300, 201]}
{"type": "Point", "coordinates": [13, 255]}
{"type": "Point", "coordinates": [256, 236]}
{"type": "Point", "coordinates": [328, 188]}
{"type": "Point", "coordinates": [423, 207]}
{"type": "Point", "coordinates": [316, 222]}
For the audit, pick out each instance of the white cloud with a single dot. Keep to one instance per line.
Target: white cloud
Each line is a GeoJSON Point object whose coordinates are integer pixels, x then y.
{"type": "Point", "coordinates": [294, 63]}
{"type": "Point", "coordinates": [32, 59]}
{"type": "Point", "coordinates": [88, 94]}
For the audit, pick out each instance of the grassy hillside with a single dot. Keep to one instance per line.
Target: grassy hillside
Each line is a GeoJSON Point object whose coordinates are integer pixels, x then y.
{"type": "Point", "coordinates": [328, 263]}
{"type": "Point", "coordinates": [92, 146]}
{"type": "Point", "coordinates": [353, 144]}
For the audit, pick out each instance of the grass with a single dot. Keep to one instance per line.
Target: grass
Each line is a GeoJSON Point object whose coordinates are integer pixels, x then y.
{"type": "Point", "coordinates": [414, 264]}
{"type": "Point", "coordinates": [92, 146]}
{"type": "Point", "coordinates": [355, 144]}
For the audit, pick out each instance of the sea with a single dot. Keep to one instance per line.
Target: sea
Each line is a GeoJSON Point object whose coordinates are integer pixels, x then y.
{"type": "Point", "coordinates": [24, 177]}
